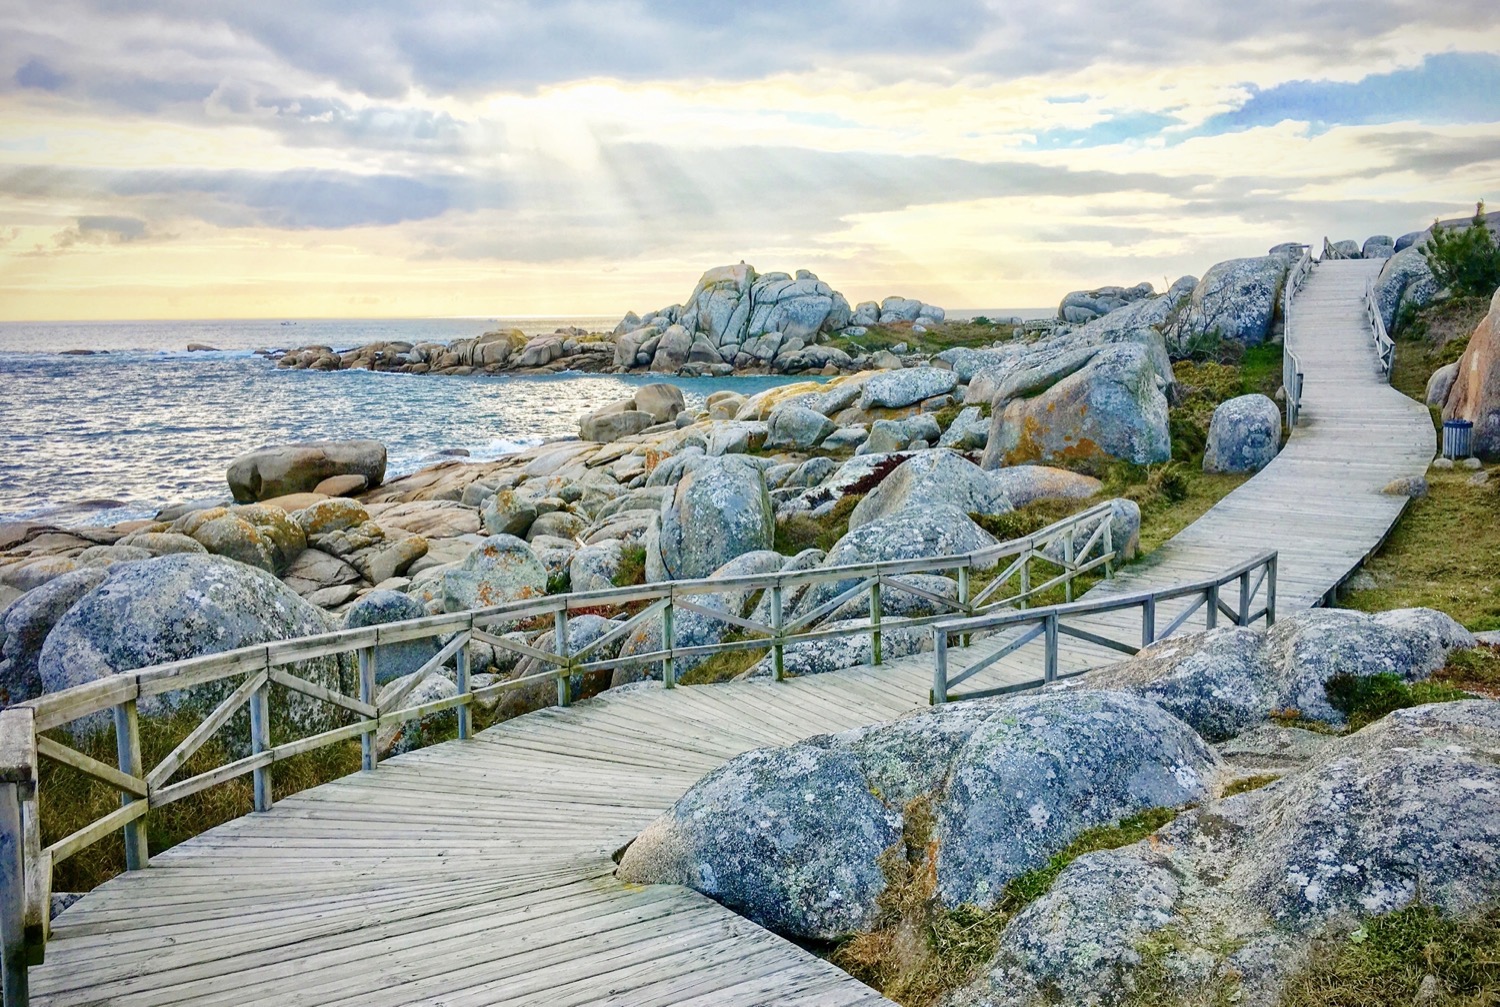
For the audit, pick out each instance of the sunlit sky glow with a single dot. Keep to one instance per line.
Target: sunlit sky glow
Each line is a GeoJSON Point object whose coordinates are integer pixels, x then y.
{"type": "Point", "coordinates": [209, 159]}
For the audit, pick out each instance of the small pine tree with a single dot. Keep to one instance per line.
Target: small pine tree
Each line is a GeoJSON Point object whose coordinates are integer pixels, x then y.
{"type": "Point", "coordinates": [1465, 260]}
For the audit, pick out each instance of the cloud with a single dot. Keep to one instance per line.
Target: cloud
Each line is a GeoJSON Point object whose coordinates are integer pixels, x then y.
{"type": "Point", "coordinates": [36, 74]}
{"type": "Point", "coordinates": [1446, 88]}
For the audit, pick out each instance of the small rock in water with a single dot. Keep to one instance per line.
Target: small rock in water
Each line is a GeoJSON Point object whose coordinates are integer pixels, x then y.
{"type": "Point", "coordinates": [202, 348]}
{"type": "Point", "coordinates": [454, 452]}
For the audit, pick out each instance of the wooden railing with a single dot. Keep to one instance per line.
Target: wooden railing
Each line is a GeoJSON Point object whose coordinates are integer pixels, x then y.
{"type": "Point", "coordinates": [1027, 567]}
{"type": "Point", "coordinates": [1385, 346]}
{"type": "Point", "coordinates": [1080, 620]}
{"type": "Point", "coordinates": [1291, 365]}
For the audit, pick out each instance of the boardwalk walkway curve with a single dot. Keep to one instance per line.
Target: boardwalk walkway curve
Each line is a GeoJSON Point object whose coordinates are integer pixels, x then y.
{"type": "Point", "coordinates": [480, 872]}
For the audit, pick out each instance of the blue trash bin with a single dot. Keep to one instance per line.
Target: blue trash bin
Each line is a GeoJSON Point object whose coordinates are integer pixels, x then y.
{"type": "Point", "coordinates": [1457, 436]}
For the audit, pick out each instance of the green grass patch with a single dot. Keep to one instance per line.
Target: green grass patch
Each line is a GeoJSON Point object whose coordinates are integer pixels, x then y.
{"type": "Point", "coordinates": [946, 415]}
{"type": "Point", "coordinates": [938, 337]}
{"type": "Point", "coordinates": [1245, 784]}
{"type": "Point", "coordinates": [797, 532]}
{"type": "Point", "coordinates": [1364, 699]}
{"type": "Point", "coordinates": [1391, 959]}
{"type": "Point", "coordinates": [632, 569]}
{"type": "Point", "coordinates": [919, 952]}
{"type": "Point", "coordinates": [1476, 670]}
{"type": "Point", "coordinates": [1155, 983]}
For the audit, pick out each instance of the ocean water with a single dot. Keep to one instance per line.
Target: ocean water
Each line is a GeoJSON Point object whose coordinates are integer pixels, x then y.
{"type": "Point", "coordinates": [112, 436]}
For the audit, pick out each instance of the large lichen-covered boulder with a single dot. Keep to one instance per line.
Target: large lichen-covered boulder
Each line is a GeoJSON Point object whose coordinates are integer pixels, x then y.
{"type": "Point", "coordinates": [393, 660]}
{"type": "Point", "coordinates": [719, 306]}
{"type": "Point", "coordinates": [1025, 484]}
{"type": "Point", "coordinates": [1235, 300]}
{"type": "Point", "coordinates": [25, 623]}
{"type": "Point", "coordinates": [1237, 891]}
{"type": "Point", "coordinates": [1081, 306]}
{"type": "Point", "coordinates": [498, 570]}
{"type": "Point", "coordinates": [1219, 681]}
{"type": "Point", "coordinates": [182, 606]}
{"type": "Point", "coordinates": [1243, 435]}
{"type": "Point", "coordinates": [936, 477]}
{"type": "Point", "coordinates": [1475, 395]}
{"type": "Point", "coordinates": [1307, 649]}
{"type": "Point", "coordinates": [1113, 406]}
{"type": "Point", "coordinates": [1405, 280]}
{"type": "Point", "coordinates": [898, 389]}
{"type": "Point", "coordinates": [794, 837]}
{"type": "Point", "coordinates": [719, 510]}
{"type": "Point", "coordinates": [789, 838]}
{"type": "Point", "coordinates": [297, 468]}
{"type": "Point", "coordinates": [938, 530]}
{"type": "Point", "coordinates": [1047, 767]}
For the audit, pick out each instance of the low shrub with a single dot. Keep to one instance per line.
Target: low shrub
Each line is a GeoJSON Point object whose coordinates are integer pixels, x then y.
{"type": "Point", "coordinates": [1465, 260]}
{"type": "Point", "coordinates": [1364, 699]}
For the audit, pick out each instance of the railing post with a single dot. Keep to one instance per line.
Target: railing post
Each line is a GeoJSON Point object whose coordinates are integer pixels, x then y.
{"type": "Point", "coordinates": [1148, 621]}
{"type": "Point", "coordinates": [1068, 565]}
{"type": "Point", "coordinates": [1244, 619]}
{"type": "Point", "coordinates": [260, 741]}
{"type": "Point", "coordinates": [1049, 670]}
{"type": "Point", "coordinates": [875, 620]}
{"type": "Point", "coordinates": [668, 644]}
{"type": "Point", "coordinates": [128, 749]}
{"type": "Point", "coordinates": [17, 784]}
{"type": "Point", "coordinates": [560, 643]}
{"type": "Point", "coordinates": [1212, 605]}
{"type": "Point", "coordinates": [963, 599]}
{"type": "Point", "coordinates": [1109, 545]}
{"type": "Point", "coordinates": [1025, 601]}
{"type": "Point", "coordinates": [778, 648]}
{"type": "Point", "coordinates": [461, 679]}
{"type": "Point", "coordinates": [368, 755]}
{"type": "Point", "coordinates": [1271, 591]}
{"type": "Point", "coordinates": [939, 667]}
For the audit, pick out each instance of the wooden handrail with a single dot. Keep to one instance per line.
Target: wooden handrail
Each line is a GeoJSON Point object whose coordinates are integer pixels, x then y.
{"type": "Point", "coordinates": [1049, 622]}
{"type": "Point", "coordinates": [1291, 364]}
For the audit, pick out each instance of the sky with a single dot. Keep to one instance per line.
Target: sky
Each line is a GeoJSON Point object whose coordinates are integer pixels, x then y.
{"type": "Point", "coordinates": [289, 158]}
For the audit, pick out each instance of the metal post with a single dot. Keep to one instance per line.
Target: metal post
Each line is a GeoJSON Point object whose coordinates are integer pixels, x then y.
{"type": "Point", "coordinates": [128, 749]}
{"type": "Point", "coordinates": [12, 895]}
{"type": "Point", "coordinates": [778, 648]}
{"type": "Point", "coordinates": [668, 644]}
{"type": "Point", "coordinates": [940, 667]}
{"type": "Point", "coordinates": [1049, 672]}
{"type": "Point", "coordinates": [875, 620]}
{"type": "Point", "coordinates": [1244, 619]}
{"type": "Point", "coordinates": [260, 741]}
{"type": "Point", "coordinates": [461, 679]}
{"type": "Point", "coordinates": [1212, 605]}
{"type": "Point", "coordinates": [368, 755]}
{"type": "Point", "coordinates": [560, 642]}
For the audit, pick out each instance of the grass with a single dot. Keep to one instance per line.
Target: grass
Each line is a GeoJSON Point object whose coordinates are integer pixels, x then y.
{"type": "Point", "coordinates": [1476, 671]}
{"type": "Point", "coordinates": [632, 569]}
{"type": "Point", "coordinates": [70, 800]}
{"type": "Point", "coordinates": [725, 665]}
{"type": "Point", "coordinates": [1389, 960]}
{"type": "Point", "coordinates": [803, 531]}
{"type": "Point", "coordinates": [1364, 699]}
{"type": "Point", "coordinates": [1441, 554]}
{"type": "Point", "coordinates": [919, 952]}
{"type": "Point", "coordinates": [1155, 983]}
{"type": "Point", "coordinates": [938, 337]}
{"type": "Point", "coordinates": [1245, 784]}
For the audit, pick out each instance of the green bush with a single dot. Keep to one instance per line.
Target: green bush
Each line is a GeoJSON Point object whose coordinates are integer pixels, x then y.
{"type": "Point", "coordinates": [1465, 260]}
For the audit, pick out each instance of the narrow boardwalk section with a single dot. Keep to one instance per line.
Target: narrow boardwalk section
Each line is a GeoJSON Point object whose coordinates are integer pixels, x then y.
{"type": "Point", "coordinates": [481, 872]}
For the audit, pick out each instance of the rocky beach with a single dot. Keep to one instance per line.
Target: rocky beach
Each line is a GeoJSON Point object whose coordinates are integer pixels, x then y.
{"type": "Point", "coordinates": [904, 436]}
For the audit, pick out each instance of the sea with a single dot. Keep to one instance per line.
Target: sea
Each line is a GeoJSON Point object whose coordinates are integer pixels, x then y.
{"type": "Point", "coordinates": [141, 422]}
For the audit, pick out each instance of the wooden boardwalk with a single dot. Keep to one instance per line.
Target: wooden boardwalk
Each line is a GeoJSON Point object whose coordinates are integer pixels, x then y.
{"type": "Point", "coordinates": [480, 872]}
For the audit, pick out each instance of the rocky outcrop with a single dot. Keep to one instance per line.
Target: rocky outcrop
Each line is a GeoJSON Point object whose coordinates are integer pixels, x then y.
{"type": "Point", "coordinates": [1225, 680]}
{"type": "Point", "coordinates": [897, 389]}
{"type": "Point", "coordinates": [1235, 301]}
{"type": "Point", "coordinates": [1475, 394]}
{"type": "Point", "coordinates": [1405, 281]}
{"type": "Point", "coordinates": [298, 468]}
{"type": "Point", "coordinates": [1243, 436]}
{"type": "Point", "coordinates": [24, 626]}
{"type": "Point", "coordinates": [500, 569]}
{"type": "Point", "coordinates": [1081, 306]}
{"type": "Point", "coordinates": [392, 660]}
{"type": "Point", "coordinates": [792, 837]}
{"type": "Point", "coordinates": [1236, 891]}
